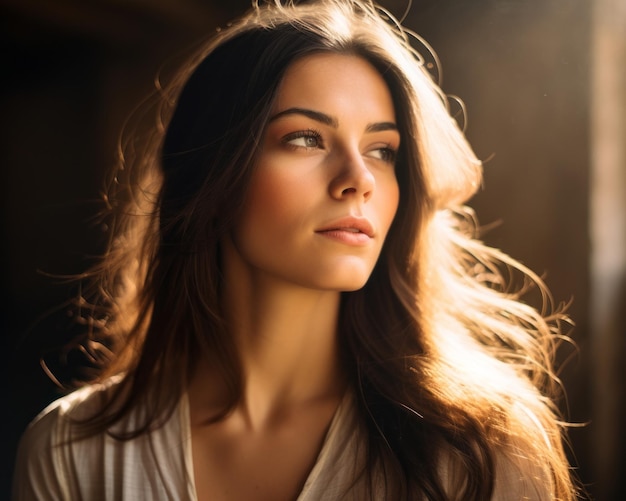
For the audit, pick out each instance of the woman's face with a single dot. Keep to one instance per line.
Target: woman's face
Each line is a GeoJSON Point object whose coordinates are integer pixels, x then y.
{"type": "Point", "coordinates": [324, 192]}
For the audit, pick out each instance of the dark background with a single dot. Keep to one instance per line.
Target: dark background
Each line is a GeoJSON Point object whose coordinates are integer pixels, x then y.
{"type": "Point", "coordinates": [74, 70]}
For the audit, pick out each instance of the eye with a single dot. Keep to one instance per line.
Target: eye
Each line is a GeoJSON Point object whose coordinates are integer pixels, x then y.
{"type": "Point", "coordinates": [385, 153]}
{"type": "Point", "coordinates": [304, 139]}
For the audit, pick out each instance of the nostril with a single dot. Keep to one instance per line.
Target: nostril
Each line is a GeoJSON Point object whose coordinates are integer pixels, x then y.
{"type": "Point", "coordinates": [346, 191]}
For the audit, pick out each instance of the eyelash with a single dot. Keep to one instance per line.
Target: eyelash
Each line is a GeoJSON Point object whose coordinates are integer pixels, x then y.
{"type": "Point", "coordinates": [308, 133]}
{"type": "Point", "coordinates": [389, 154]}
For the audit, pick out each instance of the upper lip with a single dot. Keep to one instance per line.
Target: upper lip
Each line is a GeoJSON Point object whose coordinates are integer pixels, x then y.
{"type": "Point", "coordinates": [349, 223]}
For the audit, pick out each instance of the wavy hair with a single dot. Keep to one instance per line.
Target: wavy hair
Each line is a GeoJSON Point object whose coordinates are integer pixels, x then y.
{"type": "Point", "coordinates": [447, 362]}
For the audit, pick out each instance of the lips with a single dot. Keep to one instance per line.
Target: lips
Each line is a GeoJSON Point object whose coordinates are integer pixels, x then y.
{"type": "Point", "coordinates": [349, 225]}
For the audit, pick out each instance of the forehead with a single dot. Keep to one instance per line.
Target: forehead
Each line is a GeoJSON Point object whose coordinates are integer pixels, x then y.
{"type": "Point", "coordinates": [334, 83]}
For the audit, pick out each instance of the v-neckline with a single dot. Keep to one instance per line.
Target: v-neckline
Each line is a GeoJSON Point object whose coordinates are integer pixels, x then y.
{"type": "Point", "coordinates": [333, 429]}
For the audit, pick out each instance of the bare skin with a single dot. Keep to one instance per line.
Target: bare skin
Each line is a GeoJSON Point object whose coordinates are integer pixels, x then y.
{"type": "Point", "coordinates": [268, 445]}
{"type": "Point", "coordinates": [284, 271]}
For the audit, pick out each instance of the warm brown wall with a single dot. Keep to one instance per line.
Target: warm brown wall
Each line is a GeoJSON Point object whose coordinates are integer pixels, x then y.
{"type": "Point", "coordinates": [74, 71]}
{"type": "Point", "coordinates": [522, 68]}
{"type": "Point", "coordinates": [608, 246]}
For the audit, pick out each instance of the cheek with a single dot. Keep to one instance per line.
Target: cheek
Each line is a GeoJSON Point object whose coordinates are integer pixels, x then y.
{"type": "Point", "coordinates": [395, 198]}
{"type": "Point", "coordinates": [389, 201]}
{"type": "Point", "coordinates": [273, 198]}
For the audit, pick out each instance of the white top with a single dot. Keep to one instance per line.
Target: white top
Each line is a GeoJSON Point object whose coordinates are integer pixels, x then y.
{"type": "Point", "coordinates": [158, 465]}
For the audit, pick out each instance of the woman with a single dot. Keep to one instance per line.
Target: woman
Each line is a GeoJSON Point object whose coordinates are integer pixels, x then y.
{"type": "Point", "coordinates": [295, 304]}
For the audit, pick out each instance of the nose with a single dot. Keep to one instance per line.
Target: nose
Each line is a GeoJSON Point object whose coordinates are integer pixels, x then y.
{"type": "Point", "coordinates": [353, 178]}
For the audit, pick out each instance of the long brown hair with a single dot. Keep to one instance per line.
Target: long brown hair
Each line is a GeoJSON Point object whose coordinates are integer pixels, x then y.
{"type": "Point", "coordinates": [446, 362]}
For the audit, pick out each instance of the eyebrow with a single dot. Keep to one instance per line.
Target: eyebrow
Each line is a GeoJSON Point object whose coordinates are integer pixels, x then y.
{"type": "Point", "coordinates": [325, 119]}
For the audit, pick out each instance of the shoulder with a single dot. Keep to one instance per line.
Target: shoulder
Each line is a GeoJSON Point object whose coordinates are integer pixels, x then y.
{"type": "Point", "coordinates": [38, 462]}
{"type": "Point", "coordinates": [523, 461]}
{"type": "Point", "coordinates": [80, 404]}
{"type": "Point", "coordinates": [57, 460]}
{"type": "Point", "coordinates": [75, 406]}
{"type": "Point", "coordinates": [517, 476]}
{"type": "Point", "coordinates": [520, 476]}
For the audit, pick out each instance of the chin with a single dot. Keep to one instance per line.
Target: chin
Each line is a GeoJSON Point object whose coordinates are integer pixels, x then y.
{"type": "Point", "coordinates": [354, 286]}
{"type": "Point", "coordinates": [352, 289]}
{"type": "Point", "coordinates": [346, 276]}
{"type": "Point", "coordinates": [349, 285]}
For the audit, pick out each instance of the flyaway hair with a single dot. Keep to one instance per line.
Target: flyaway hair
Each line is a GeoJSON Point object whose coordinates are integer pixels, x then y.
{"type": "Point", "coordinates": [451, 369]}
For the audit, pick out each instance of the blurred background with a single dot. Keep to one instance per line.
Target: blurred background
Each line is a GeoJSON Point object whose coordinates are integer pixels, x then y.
{"type": "Point", "coordinates": [545, 88]}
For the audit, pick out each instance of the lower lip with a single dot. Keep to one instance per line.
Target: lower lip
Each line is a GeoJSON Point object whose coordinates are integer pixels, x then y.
{"type": "Point", "coordinates": [346, 237]}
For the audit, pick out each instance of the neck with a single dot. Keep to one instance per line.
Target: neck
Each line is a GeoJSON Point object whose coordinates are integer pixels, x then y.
{"type": "Point", "coordinates": [286, 341]}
